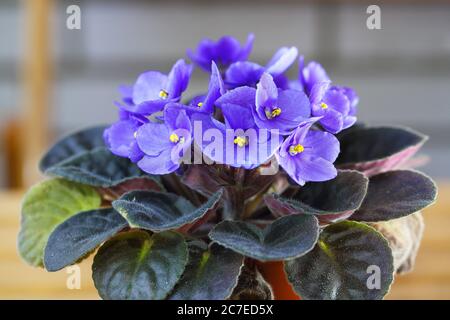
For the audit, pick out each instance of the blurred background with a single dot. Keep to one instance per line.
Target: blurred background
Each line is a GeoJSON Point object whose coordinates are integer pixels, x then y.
{"type": "Point", "coordinates": [54, 80]}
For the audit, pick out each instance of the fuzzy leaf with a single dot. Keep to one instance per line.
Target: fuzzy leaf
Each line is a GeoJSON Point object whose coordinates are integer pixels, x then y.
{"type": "Point", "coordinates": [205, 179]}
{"type": "Point", "coordinates": [157, 211]}
{"type": "Point", "coordinates": [342, 264]}
{"type": "Point", "coordinates": [44, 207]}
{"type": "Point", "coordinates": [99, 168]}
{"type": "Point", "coordinates": [139, 266]}
{"type": "Point", "coordinates": [380, 149]}
{"type": "Point", "coordinates": [79, 235]}
{"type": "Point", "coordinates": [285, 238]}
{"type": "Point", "coordinates": [112, 193]}
{"type": "Point", "coordinates": [331, 200]}
{"type": "Point", "coordinates": [212, 274]}
{"type": "Point", "coordinates": [74, 144]}
{"type": "Point", "coordinates": [396, 194]}
{"type": "Point", "coordinates": [209, 179]}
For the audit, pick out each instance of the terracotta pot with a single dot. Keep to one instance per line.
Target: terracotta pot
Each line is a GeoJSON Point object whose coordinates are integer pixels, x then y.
{"type": "Point", "coordinates": [273, 273]}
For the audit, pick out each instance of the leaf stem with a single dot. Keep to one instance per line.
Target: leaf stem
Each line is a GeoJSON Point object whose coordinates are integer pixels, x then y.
{"type": "Point", "coordinates": [235, 200]}
{"type": "Point", "coordinates": [177, 186]}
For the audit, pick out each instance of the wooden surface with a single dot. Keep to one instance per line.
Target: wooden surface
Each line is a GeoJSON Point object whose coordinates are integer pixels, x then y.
{"type": "Point", "coordinates": [36, 78]}
{"type": "Point", "coordinates": [429, 280]}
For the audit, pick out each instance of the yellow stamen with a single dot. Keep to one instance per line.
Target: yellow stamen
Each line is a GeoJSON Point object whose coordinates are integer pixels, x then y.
{"type": "Point", "coordinates": [276, 112]}
{"type": "Point", "coordinates": [200, 104]}
{"type": "Point", "coordinates": [272, 114]}
{"type": "Point", "coordinates": [294, 150]}
{"type": "Point", "coordinates": [163, 94]}
{"type": "Point", "coordinates": [174, 138]}
{"type": "Point", "coordinates": [240, 141]}
{"type": "Point", "coordinates": [323, 105]}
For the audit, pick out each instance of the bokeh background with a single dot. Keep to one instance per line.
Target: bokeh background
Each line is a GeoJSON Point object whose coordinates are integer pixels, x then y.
{"type": "Point", "coordinates": [54, 80]}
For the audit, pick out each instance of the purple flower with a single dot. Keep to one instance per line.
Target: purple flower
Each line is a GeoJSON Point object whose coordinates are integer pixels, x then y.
{"type": "Point", "coordinates": [164, 144]}
{"type": "Point", "coordinates": [224, 52]}
{"type": "Point", "coordinates": [153, 90]}
{"type": "Point", "coordinates": [238, 142]}
{"type": "Point", "coordinates": [311, 75]}
{"type": "Point", "coordinates": [120, 137]}
{"type": "Point", "coordinates": [205, 103]}
{"type": "Point", "coordinates": [248, 73]}
{"type": "Point", "coordinates": [278, 109]}
{"type": "Point", "coordinates": [127, 95]}
{"type": "Point", "coordinates": [351, 96]}
{"type": "Point", "coordinates": [308, 155]}
{"type": "Point", "coordinates": [333, 106]}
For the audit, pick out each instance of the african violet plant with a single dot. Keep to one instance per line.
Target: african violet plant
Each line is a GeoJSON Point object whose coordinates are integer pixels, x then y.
{"type": "Point", "coordinates": [183, 199]}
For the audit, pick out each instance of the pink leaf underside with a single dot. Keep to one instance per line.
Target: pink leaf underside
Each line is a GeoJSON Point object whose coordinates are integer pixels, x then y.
{"type": "Point", "coordinates": [395, 161]}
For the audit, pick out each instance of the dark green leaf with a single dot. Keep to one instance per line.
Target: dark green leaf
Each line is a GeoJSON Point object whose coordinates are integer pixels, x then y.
{"type": "Point", "coordinates": [74, 144]}
{"type": "Point", "coordinates": [99, 168]}
{"type": "Point", "coordinates": [139, 266]}
{"type": "Point", "coordinates": [79, 235]}
{"type": "Point", "coordinates": [157, 211]}
{"type": "Point", "coordinates": [285, 238]}
{"type": "Point", "coordinates": [350, 261]}
{"type": "Point", "coordinates": [396, 194]}
{"type": "Point", "coordinates": [44, 207]}
{"type": "Point", "coordinates": [380, 149]}
{"type": "Point", "coordinates": [331, 200]}
{"type": "Point", "coordinates": [212, 274]}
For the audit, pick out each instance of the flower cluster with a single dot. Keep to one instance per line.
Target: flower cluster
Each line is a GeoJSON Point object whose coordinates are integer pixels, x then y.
{"type": "Point", "coordinates": [249, 115]}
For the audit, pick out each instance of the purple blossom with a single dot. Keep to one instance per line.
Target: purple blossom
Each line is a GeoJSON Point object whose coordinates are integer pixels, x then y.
{"type": "Point", "coordinates": [153, 90]}
{"type": "Point", "coordinates": [205, 103]}
{"type": "Point", "coordinates": [127, 95]}
{"type": "Point", "coordinates": [310, 75]}
{"type": "Point", "coordinates": [248, 73]}
{"type": "Point", "coordinates": [333, 106]}
{"type": "Point", "coordinates": [308, 155]}
{"type": "Point", "coordinates": [223, 52]}
{"type": "Point", "coordinates": [240, 142]}
{"type": "Point", "coordinates": [282, 110]}
{"type": "Point", "coordinates": [164, 144]}
{"type": "Point", "coordinates": [351, 96]}
{"type": "Point", "coordinates": [261, 108]}
{"type": "Point", "coordinates": [120, 137]}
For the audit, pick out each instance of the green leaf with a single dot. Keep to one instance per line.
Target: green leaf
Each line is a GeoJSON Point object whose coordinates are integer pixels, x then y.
{"type": "Point", "coordinates": [139, 266]}
{"type": "Point", "coordinates": [44, 207]}
{"type": "Point", "coordinates": [330, 200]}
{"type": "Point", "coordinates": [79, 235]}
{"type": "Point", "coordinates": [157, 211]}
{"type": "Point", "coordinates": [345, 264]}
{"type": "Point", "coordinates": [396, 194]}
{"type": "Point", "coordinates": [378, 149]}
{"type": "Point", "coordinates": [99, 168]}
{"type": "Point", "coordinates": [212, 274]}
{"type": "Point", "coordinates": [285, 238]}
{"type": "Point", "coordinates": [74, 144]}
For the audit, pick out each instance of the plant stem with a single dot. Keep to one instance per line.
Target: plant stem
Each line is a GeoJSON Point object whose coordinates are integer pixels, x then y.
{"type": "Point", "coordinates": [234, 204]}
{"type": "Point", "coordinates": [235, 199]}
{"type": "Point", "coordinates": [253, 205]}
{"type": "Point", "coordinates": [174, 182]}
